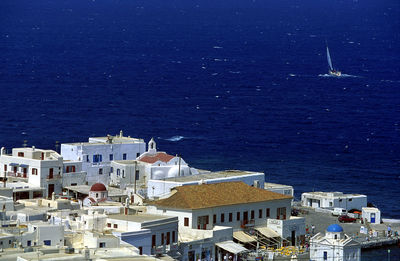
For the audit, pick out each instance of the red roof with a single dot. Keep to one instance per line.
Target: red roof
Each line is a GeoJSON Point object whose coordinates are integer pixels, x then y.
{"type": "Point", "coordinates": [98, 187]}
{"type": "Point", "coordinates": [160, 156]}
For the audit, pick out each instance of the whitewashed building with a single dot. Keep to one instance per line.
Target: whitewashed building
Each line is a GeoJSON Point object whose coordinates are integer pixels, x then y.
{"type": "Point", "coordinates": [371, 215]}
{"type": "Point", "coordinates": [235, 205]}
{"type": "Point", "coordinates": [150, 165]}
{"type": "Point", "coordinates": [151, 234]}
{"type": "Point", "coordinates": [334, 246]}
{"type": "Point", "coordinates": [331, 200]}
{"type": "Point", "coordinates": [98, 152]}
{"type": "Point", "coordinates": [162, 188]}
{"type": "Point", "coordinates": [279, 188]}
{"type": "Point", "coordinates": [36, 167]}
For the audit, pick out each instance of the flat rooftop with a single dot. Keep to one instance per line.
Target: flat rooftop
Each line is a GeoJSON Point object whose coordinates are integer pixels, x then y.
{"type": "Point", "coordinates": [139, 218]}
{"type": "Point", "coordinates": [333, 194]}
{"type": "Point", "coordinates": [213, 175]}
{"type": "Point", "coordinates": [107, 140]}
{"type": "Point", "coordinates": [275, 185]}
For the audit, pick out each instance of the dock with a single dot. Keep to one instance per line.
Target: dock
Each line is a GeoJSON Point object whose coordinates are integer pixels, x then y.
{"type": "Point", "coordinates": [379, 242]}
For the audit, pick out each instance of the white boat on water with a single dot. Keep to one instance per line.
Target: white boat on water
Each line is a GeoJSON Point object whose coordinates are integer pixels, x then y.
{"type": "Point", "coordinates": [332, 71]}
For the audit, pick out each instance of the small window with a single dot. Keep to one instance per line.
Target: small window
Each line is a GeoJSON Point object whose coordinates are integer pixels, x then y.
{"type": "Point", "coordinates": [260, 213]}
{"type": "Point", "coordinates": [111, 157]}
{"type": "Point", "coordinates": [137, 175]}
{"type": "Point", "coordinates": [173, 236]}
{"type": "Point", "coordinates": [124, 156]}
{"type": "Point", "coordinates": [74, 184]}
{"type": "Point", "coordinates": [230, 217]}
{"type": "Point", "coordinates": [340, 200]}
{"type": "Point", "coordinates": [97, 158]}
{"type": "Point", "coordinates": [123, 173]}
{"type": "Point", "coordinates": [20, 154]}
{"type": "Point", "coordinates": [350, 199]}
{"type": "Point", "coordinates": [111, 169]}
{"type": "Point", "coordinates": [118, 172]}
{"type": "Point", "coordinates": [237, 216]}
{"type": "Point", "coordinates": [47, 242]}
{"type": "Point", "coordinates": [214, 219]}
{"type": "Point", "coordinates": [102, 244]}
{"type": "Point", "coordinates": [222, 218]}
{"type": "Point", "coordinates": [252, 214]}
{"type": "Point", "coordinates": [162, 238]}
{"type": "Point", "coordinates": [34, 171]}
{"type": "Point", "coordinates": [5, 167]}
{"type": "Point", "coordinates": [115, 225]}
{"type": "Point", "coordinates": [186, 222]}
{"type": "Point", "coordinates": [100, 171]}
{"type": "Point", "coordinates": [137, 155]}
{"type": "Point", "coordinates": [267, 213]}
{"type": "Point", "coordinates": [140, 250]}
{"type": "Point", "coordinates": [108, 224]}
{"type": "Point", "coordinates": [87, 158]}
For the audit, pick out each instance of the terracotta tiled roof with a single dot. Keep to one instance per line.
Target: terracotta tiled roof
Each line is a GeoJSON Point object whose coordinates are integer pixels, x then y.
{"type": "Point", "coordinates": [98, 187]}
{"type": "Point", "coordinates": [216, 195]}
{"type": "Point", "coordinates": [159, 156]}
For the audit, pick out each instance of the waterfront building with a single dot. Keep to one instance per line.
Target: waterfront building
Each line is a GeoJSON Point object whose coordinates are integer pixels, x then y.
{"type": "Point", "coordinates": [97, 154]}
{"type": "Point", "coordinates": [334, 245]}
{"type": "Point", "coordinates": [371, 215]}
{"type": "Point", "coordinates": [38, 171]}
{"type": "Point", "coordinates": [233, 205]}
{"type": "Point", "coordinates": [162, 188]}
{"type": "Point", "coordinates": [331, 200]}
{"type": "Point", "coordinates": [279, 188]}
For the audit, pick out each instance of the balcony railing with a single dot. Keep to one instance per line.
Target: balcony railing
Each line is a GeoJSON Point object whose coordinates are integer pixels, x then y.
{"type": "Point", "coordinates": [247, 223]}
{"type": "Point", "coordinates": [17, 174]}
{"type": "Point", "coordinates": [53, 176]}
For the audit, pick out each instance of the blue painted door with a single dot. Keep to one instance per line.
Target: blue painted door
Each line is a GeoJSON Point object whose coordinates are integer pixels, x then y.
{"type": "Point", "coordinates": [372, 217]}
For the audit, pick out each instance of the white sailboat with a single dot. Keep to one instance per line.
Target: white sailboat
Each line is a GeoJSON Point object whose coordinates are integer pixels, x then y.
{"type": "Point", "coordinates": [332, 71]}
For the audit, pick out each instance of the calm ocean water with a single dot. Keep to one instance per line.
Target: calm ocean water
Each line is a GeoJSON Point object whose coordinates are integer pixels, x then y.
{"type": "Point", "coordinates": [225, 84]}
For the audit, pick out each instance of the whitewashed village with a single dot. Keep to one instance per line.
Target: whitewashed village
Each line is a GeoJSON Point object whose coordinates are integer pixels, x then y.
{"type": "Point", "coordinates": [120, 198]}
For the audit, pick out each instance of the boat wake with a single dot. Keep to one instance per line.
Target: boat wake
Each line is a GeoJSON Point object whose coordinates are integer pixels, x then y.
{"type": "Point", "coordinates": [343, 75]}
{"type": "Point", "coordinates": [175, 138]}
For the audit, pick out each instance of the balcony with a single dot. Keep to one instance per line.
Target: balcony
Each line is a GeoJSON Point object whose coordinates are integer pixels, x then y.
{"type": "Point", "coordinates": [53, 177]}
{"type": "Point", "coordinates": [247, 223]}
{"type": "Point", "coordinates": [17, 175]}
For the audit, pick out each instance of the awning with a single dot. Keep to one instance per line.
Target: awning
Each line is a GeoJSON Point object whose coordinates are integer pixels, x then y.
{"type": "Point", "coordinates": [243, 237]}
{"type": "Point", "coordinates": [23, 165]}
{"type": "Point", "coordinates": [267, 232]}
{"type": "Point", "coordinates": [13, 164]}
{"type": "Point", "coordinates": [231, 247]}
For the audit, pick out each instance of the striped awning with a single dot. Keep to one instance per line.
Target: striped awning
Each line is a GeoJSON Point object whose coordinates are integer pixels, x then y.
{"type": "Point", "coordinates": [267, 232]}
{"type": "Point", "coordinates": [243, 237]}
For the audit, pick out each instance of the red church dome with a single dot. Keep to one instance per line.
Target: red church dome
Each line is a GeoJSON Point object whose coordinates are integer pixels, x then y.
{"type": "Point", "coordinates": [98, 187]}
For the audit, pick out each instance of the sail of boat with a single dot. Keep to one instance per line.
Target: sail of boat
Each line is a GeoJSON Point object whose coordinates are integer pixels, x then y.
{"type": "Point", "coordinates": [329, 59]}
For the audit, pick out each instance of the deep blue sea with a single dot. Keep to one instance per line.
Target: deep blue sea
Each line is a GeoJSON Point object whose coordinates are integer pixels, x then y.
{"type": "Point", "coordinates": [226, 84]}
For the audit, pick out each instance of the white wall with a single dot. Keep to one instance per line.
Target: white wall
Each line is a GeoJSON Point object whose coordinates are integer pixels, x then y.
{"type": "Point", "coordinates": [235, 224]}
{"type": "Point", "coordinates": [162, 188]}
{"type": "Point", "coordinates": [84, 152]}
